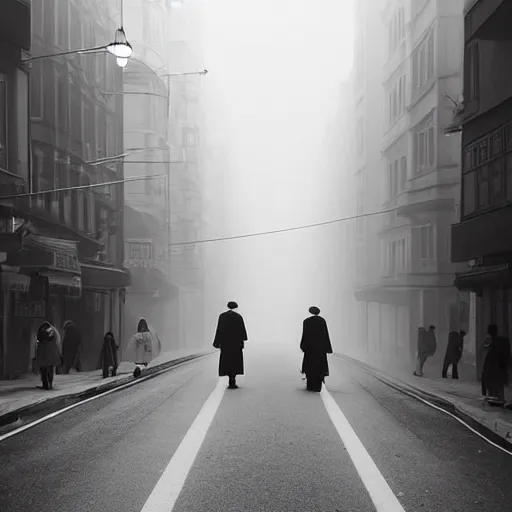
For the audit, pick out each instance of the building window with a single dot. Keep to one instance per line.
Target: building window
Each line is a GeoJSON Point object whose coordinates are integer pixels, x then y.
{"type": "Point", "coordinates": [397, 176]}
{"type": "Point", "coordinates": [397, 100]}
{"type": "Point", "coordinates": [360, 137]}
{"type": "Point", "coordinates": [423, 63]}
{"type": "Point", "coordinates": [427, 250]}
{"type": "Point", "coordinates": [62, 102]}
{"type": "Point", "coordinates": [396, 30]}
{"type": "Point", "coordinates": [471, 73]}
{"type": "Point", "coordinates": [36, 90]}
{"type": "Point", "coordinates": [37, 18]}
{"type": "Point", "coordinates": [424, 145]}
{"type": "Point", "coordinates": [62, 24]}
{"type": "Point", "coordinates": [3, 122]}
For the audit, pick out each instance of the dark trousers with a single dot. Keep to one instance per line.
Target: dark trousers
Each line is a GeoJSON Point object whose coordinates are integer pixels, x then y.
{"type": "Point", "coordinates": [455, 369]}
{"type": "Point", "coordinates": [47, 376]}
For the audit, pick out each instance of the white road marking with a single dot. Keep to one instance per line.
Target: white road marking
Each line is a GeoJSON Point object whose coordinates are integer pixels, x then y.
{"type": "Point", "coordinates": [168, 488]}
{"type": "Point", "coordinates": [19, 430]}
{"type": "Point", "coordinates": [380, 493]}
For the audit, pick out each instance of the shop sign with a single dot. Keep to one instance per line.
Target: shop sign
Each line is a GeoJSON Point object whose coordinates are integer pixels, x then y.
{"type": "Point", "coordinates": [30, 309]}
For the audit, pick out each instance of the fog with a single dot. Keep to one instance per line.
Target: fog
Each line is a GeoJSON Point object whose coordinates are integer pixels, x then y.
{"type": "Point", "coordinates": [270, 102]}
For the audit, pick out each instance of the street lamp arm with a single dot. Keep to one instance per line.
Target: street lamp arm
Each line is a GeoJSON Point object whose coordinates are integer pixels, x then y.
{"type": "Point", "coordinates": [122, 93]}
{"type": "Point", "coordinates": [69, 52]}
{"type": "Point", "coordinates": [203, 72]}
{"type": "Point", "coordinates": [115, 158]}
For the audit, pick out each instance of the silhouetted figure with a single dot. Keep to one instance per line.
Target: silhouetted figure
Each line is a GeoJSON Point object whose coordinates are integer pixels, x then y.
{"type": "Point", "coordinates": [47, 353]}
{"type": "Point", "coordinates": [229, 338]}
{"type": "Point", "coordinates": [109, 355]}
{"type": "Point", "coordinates": [453, 353]}
{"type": "Point", "coordinates": [427, 346]}
{"type": "Point", "coordinates": [495, 367]}
{"type": "Point", "coordinates": [315, 344]}
{"type": "Point", "coordinates": [71, 345]}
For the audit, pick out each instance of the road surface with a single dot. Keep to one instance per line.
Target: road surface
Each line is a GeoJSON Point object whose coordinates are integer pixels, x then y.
{"type": "Point", "coordinates": [272, 446]}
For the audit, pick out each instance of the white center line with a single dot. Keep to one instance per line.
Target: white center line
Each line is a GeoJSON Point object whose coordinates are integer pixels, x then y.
{"type": "Point", "coordinates": [168, 488]}
{"type": "Point", "coordinates": [377, 487]}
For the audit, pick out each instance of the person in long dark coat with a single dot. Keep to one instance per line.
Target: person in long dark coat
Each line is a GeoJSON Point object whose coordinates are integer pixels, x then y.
{"type": "Point", "coordinates": [47, 353]}
{"type": "Point", "coordinates": [109, 355]}
{"type": "Point", "coordinates": [71, 345]}
{"type": "Point", "coordinates": [495, 368]}
{"type": "Point", "coordinates": [315, 344]}
{"type": "Point", "coordinates": [453, 353]}
{"type": "Point", "coordinates": [229, 338]}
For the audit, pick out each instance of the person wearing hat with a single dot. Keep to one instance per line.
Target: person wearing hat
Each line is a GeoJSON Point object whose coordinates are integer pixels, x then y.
{"type": "Point", "coordinates": [229, 338]}
{"type": "Point", "coordinates": [315, 344]}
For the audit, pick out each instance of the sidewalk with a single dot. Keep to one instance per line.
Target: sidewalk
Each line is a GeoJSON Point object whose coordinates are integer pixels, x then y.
{"type": "Point", "coordinates": [461, 397]}
{"type": "Point", "coordinates": [22, 392]}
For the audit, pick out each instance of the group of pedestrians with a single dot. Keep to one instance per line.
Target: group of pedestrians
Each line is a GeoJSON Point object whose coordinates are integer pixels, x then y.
{"type": "Point", "coordinates": [231, 335]}
{"type": "Point", "coordinates": [497, 359]}
{"type": "Point", "coordinates": [56, 353]}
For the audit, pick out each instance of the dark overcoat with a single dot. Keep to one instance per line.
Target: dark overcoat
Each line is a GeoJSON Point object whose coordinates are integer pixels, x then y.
{"type": "Point", "coordinates": [109, 353]}
{"type": "Point", "coordinates": [454, 348]}
{"type": "Point", "coordinates": [229, 337]}
{"type": "Point", "coordinates": [496, 363]}
{"type": "Point", "coordinates": [315, 344]}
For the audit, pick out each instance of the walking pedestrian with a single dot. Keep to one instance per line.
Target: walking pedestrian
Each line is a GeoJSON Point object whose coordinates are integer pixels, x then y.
{"type": "Point", "coordinates": [109, 355]}
{"type": "Point", "coordinates": [495, 368]}
{"type": "Point", "coordinates": [427, 345]}
{"type": "Point", "coordinates": [453, 353]}
{"type": "Point", "coordinates": [71, 346]}
{"type": "Point", "coordinates": [143, 347]}
{"type": "Point", "coordinates": [48, 353]}
{"type": "Point", "coordinates": [230, 337]}
{"type": "Point", "coordinates": [315, 344]}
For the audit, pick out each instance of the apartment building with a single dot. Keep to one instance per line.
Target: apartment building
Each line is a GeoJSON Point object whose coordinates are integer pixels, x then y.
{"type": "Point", "coordinates": [481, 238]}
{"type": "Point", "coordinates": [420, 82]}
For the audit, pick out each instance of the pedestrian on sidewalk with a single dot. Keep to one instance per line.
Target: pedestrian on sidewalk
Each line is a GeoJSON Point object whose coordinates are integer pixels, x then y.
{"type": "Point", "coordinates": [71, 346]}
{"type": "Point", "coordinates": [109, 355]}
{"type": "Point", "coordinates": [453, 353]}
{"type": "Point", "coordinates": [48, 353]}
{"type": "Point", "coordinates": [143, 347]}
{"type": "Point", "coordinates": [495, 368]}
{"type": "Point", "coordinates": [315, 344]}
{"type": "Point", "coordinates": [230, 337]}
{"type": "Point", "coordinates": [427, 346]}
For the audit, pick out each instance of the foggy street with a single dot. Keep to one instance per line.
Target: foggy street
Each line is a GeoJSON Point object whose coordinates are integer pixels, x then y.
{"type": "Point", "coordinates": [271, 446]}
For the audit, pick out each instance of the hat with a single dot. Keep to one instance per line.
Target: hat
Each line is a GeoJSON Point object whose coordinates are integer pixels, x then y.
{"type": "Point", "coordinates": [314, 310]}
{"type": "Point", "coordinates": [232, 305]}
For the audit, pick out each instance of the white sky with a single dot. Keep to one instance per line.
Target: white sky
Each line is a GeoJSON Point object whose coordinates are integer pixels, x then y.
{"type": "Point", "coordinates": [276, 67]}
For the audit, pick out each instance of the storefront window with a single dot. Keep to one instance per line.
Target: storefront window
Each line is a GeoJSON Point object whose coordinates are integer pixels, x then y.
{"type": "Point", "coordinates": [468, 193]}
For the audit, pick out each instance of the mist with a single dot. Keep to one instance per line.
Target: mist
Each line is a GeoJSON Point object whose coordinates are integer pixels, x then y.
{"type": "Point", "coordinates": [269, 103]}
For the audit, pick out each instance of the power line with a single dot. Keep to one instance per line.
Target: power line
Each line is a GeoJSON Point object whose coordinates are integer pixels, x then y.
{"type": "Point", "coordinates": [80, 187]}
{"type": "Point", "coordinates": [206, 240]}
{"type": "Point", "coordinates": [285, 230]}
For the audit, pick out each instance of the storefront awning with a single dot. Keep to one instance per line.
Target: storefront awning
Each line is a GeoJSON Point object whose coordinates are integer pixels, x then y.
{"type": "Point", "coordinates": [478, 277]}
{"type": "Point", "coordinates": [14, 282]}
{"type": "Point", "coordinates": [104, 276]}
{"type": "Point", "coordinates": [36, 251]}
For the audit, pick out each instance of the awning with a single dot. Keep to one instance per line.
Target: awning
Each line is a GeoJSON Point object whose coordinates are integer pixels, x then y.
{"type": "Point", "coordinates": [152, 282]}
{"type": "Point", "coordinates": [69, 285]}
{"type": "Point", "coordinates": [14, 282]}
{"type": "Point", "coordinates": [478, 277]}
{"type": "Point", "coordinates": [104, 276]}
{"type": "Point", "coordinates": [37, 251]}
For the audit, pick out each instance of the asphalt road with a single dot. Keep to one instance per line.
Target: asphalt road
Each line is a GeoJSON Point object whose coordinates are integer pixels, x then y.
{"type": "Point", "coordinates": [271, 447]}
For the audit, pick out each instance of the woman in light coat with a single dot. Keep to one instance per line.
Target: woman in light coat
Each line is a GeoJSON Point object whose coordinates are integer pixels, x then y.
{"type": "Point", "coordinates": [143, 347]}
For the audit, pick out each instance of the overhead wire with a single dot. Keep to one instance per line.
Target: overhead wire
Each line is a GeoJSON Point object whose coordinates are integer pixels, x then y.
{"type": "Point", "coordinates": [205, 240]}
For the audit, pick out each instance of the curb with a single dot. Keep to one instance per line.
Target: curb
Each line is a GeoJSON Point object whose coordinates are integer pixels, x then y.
{"type": "Point", "coordinates": [59, 402]}
{"type": "Point", "coordinates": [443, 403]}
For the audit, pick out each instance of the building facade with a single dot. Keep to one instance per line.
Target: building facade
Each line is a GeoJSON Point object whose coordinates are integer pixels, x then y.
{"type": "Point", "coordinates": [416, 171]}
{"type": "Point", "coordinates": [481, 240]}
{"type": "Point", "coordinates": [14, 166]}
{"type": "Point", "coordinates": [72, 246]}
{"type": "Point", "coordinates": [146, 96]}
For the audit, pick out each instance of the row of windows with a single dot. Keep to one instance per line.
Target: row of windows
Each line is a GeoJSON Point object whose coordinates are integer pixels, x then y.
{"type": "Point", "coordinates": [398, 255]}
{"type": "Point", "coordinates": [423, 70]}
{"type": "Point", "coordinates": [61, 103]}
